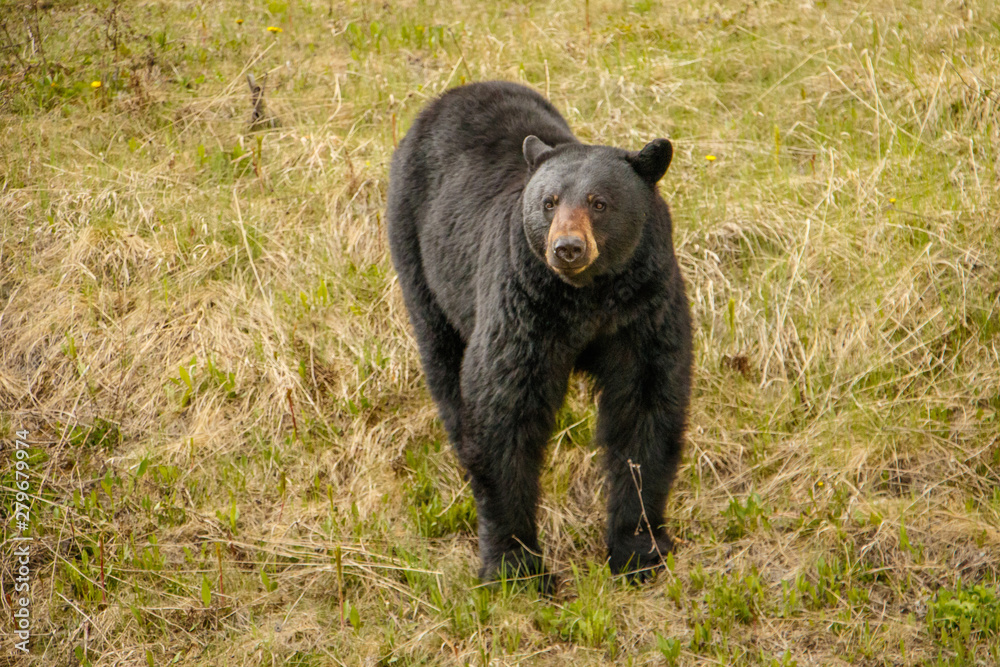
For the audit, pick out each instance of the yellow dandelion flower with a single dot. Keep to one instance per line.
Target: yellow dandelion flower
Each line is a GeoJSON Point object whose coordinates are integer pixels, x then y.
{"type": "Point", "coordinates": [892, 200]}
{"type": "Point", "coordinates": [710, 158]}
{"type": "Point", "coordinates": [274, 28]}
{"type": "Point", "coordinates": [819, 483]}
{"type": "Point", "coordinates": [239, 21]}
{"type": "Point", "coordinates": [95, 84]}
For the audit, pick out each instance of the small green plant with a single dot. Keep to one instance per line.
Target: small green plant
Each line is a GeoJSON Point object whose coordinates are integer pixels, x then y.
{"type": "Point", "coordinates": [675, 591]}
{"type": "Point", "coordinates": [587, 620]}
{"type": "Point", "coordinates": [185, 381]}
{"type": "Point", "coordinates": [791, 598]}
{"type": "Point", "coordinates": [101, 433]}
{"type": "Point", "coordinates": [352, 615]}
{"type": "Point", "coordinates": [471, 611]}
{"type": "Point", "coordinates": [698, 578]}
{"type": "Point", "coordinates": [784, 661]}
{"type": "Point", "coordinates": [225, 165]}
{"type": "Point", "coordinates": [744, 518]}
{"type": "Point", "coordinates": [193, 381]}
{"type": "Point", "coordinates": [701, 637]}
{"type": "Point", "coordinates": [206, 591]}
{"type": "Point", "coordinates": [269, 585]}
{"type": "Point", "coordinates": [230, 520]}
{"type": "Point", "coordinates": [82, 656]}
{"type": "Point", "coordinates": [967, 613]}
{"type": "Point", "coordinates": [670, 647]}
{"type": "Point", "coordinates": [732, 597]}
{"type": "Point", "coordinates": [827, 589]}
{"type": "Point", "coordinates": [578, 429]}
{"type": "Point", "coordinates": [82, 575]}
{"type": "Point", "coordinates": [432, 514]}
{"type": "Point", "coordinates": [579, 623]}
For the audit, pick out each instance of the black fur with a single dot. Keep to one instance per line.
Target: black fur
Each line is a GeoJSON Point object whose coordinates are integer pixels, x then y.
{"type": "Point", "coordinates": [500, 332]}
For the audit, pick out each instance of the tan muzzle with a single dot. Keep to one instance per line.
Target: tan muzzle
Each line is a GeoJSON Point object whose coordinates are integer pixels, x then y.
{"type": "Point", "coordinates": [571, 246]}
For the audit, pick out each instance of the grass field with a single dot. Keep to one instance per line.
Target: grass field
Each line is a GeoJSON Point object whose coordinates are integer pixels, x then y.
{"type": "Point", "coordinates": [233, 455]}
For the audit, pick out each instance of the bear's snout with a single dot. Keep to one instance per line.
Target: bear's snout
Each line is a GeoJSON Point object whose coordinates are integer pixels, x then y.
{"type": "Point", "coordinates": [571, 244]}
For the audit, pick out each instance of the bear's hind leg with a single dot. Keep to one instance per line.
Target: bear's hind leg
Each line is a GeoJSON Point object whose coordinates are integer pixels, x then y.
{"type": "Point", "coordinates": [441, 350]}
{"type": "Point", "coordinates": [441, 346]}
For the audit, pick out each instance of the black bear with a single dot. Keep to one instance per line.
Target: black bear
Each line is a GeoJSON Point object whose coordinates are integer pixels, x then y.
{"type": "Point", "coordinates": [524, 254]}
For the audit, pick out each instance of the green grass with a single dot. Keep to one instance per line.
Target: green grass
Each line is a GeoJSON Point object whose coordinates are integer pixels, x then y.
{"type": "Point", "coordinates": [233, 453]}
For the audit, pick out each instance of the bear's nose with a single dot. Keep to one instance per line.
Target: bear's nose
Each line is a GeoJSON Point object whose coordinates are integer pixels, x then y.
{"type": "Point", "coordinates": [569, 248]}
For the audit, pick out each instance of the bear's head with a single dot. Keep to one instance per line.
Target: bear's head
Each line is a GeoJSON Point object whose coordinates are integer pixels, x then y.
{"type": "Point", "coordinates": [585, 207]}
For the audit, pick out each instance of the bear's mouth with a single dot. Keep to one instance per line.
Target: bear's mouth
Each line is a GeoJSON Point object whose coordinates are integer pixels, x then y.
{"type": "Point", "coordinates": [575, 277]}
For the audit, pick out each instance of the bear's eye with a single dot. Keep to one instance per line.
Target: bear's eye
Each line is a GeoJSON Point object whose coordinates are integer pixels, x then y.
{"type": "Point", "coordinates": [599, 205]}
{"type": "Point", "coordinates": [549, 203]}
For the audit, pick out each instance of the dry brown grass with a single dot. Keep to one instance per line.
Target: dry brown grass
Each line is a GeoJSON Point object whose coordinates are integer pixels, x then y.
{"type": "Point", "coordinates": [841, 258]}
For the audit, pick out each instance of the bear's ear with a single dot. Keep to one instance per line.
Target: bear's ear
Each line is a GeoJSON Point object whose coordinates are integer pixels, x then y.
{"type": "Point", "coordinates": [534, 148]}
{"type": "Point", "coordinates": [652, 161]}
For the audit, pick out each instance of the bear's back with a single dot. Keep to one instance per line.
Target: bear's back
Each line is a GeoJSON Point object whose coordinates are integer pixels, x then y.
{"type": "Point", "coordinates": [470, 139]}
{"type": "Point", "coordinates": [489, 121]}
{"type": "Point", "coordinates": [456, 178]}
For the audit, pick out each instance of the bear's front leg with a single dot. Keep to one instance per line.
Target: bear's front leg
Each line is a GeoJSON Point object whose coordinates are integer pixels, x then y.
{"type": "Point", "coordinates": [510, 392]}
{"type": "Point", "coordinates": [644, 382]}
